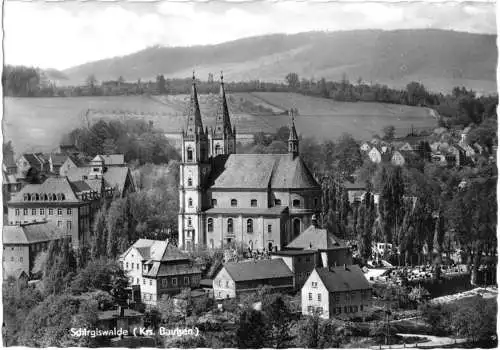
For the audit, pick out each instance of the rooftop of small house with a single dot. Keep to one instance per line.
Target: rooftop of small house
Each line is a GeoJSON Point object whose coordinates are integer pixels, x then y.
{"type": "Point", "coordinates": [258, 270]}
{"type": "Point", "coordinates": [343, 278]}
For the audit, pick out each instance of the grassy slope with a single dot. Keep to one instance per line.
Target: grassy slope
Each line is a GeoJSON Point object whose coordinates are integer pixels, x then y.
{"type": "Point", "coordinates": [39, 123]}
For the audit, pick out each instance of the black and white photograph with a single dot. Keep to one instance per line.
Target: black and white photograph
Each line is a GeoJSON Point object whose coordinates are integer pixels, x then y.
{"type": "Point", "coordinates": [249, 174]}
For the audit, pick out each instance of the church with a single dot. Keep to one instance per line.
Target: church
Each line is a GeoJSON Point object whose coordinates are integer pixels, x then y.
{"type": "Point", "coordinates": [259, 201]}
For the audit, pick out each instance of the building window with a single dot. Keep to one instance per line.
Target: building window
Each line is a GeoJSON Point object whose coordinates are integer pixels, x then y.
{"type": "Point", "coordinates": [186, 281]}
{"type": "Point", "coordinates": [210, 225]}
{"type": "Point", "coordinates": [319, 310]}
{"type": "Point", "coordinates": [230, 225]}
{"type": "Point", "coordinates": [33, 211]}
{"type": "Point", "coordinates": [138, 266]}
{"type": "Point", "coordinates": [12, 259]}
{"type": "Point", "coordinates": [361, 308]}
{"type": "Point", "coordinates": [249, 226]}
{"type": "Point", "coordinates": [59, 223]}
{"type": "Point", "coordinates": [234, 202]}
{"type": "Point", "coordinates": [190, 222]}
{"type": "Point", "coordinates": [211, 243]}
{"type": "Point", "coordinates": [190, 182]}
{"type": "Point", "coordinates": [144, 281]}
{"type": "Point", "coordinates": [316, 202]}
{"type": "Point", "coordinates": [310, 309]}
{"type": "Point", "coordinates": [69, 224]}
{"type": "Point", "coordinates": [296, 227]}
{"type": "Point", "coordinates": [346, 310]}
{"type": "Point", "coordinates": [337, 298]}
{"type": "Point", "coordinates": [319, 296]}
{"type": "Point", "coordinates": [132, 265]}
{"type": "Point", "coordinates": [220, 283]}
{"type": "Point", "coordinates": [269, 228]}
{"type": "Point", "coordinates": [310, 296]}
{"type": "Point", "coordinates": [59, 211]}
{"type": "Point", "coordinates": [150, 282]}
{"type": "Point", "coordinates": [214, 203]}
{"type": "Point", "coordinates": [277, 202]}
{"type": "Point", "coordinates": [137, 281]}
{"type": "Point", "coordinates": [21, 259]}
{"type": "Point", "coordinates": [126, 265]}
{"type": "Point", "coordinates": [174, 281]}
{"type": "Point", "coordinates": [51, 211]}
{"type": "Point", "coordinates": [25, 211]}
{"type": "Point", "coordinates": [218, 149]}
{"type": "Point", "coordinates": [190, 202]}
{"type": "Point", "coordinates": [69, 211]}
{"type": "Point", "coordinates": [315, 284]}
{"type": "Point", "coordinates": [42, 211]}
{"type": "Point", "coordinates": [296, 203]}
{"type": "Point", "coordinates": [253, 203]}
{"type": "Point", "coordinates": [189, 154]}
{"type": "Point", "coordinates": [17, 212]}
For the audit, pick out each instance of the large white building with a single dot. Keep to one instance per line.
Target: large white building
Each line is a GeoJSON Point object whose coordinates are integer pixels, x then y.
{"type": "Point", "coordinates": [261, 201]}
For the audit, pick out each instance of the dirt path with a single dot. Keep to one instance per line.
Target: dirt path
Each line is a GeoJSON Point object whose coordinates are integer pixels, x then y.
{"type": "Point", "coordinates": [431, 341]}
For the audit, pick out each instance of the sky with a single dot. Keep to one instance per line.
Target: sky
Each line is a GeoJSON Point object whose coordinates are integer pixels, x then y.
{"type": "Point", "coordinates": [64, 34]}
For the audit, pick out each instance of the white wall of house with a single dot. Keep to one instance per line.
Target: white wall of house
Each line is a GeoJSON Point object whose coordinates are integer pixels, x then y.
{"type": "Point", "coordinates": [315, 297]}
{"type": "Point", "coordinates": [224, 285]}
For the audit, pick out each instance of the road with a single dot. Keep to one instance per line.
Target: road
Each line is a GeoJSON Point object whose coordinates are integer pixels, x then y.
{"type": "Point", "coordinates": [431, 341]}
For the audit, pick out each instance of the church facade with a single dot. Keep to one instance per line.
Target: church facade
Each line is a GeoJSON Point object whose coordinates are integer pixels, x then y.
{"type": "Point", "coordinates": [260, 201]}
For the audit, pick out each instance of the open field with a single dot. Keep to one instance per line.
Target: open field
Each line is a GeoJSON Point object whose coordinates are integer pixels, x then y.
{"type": "Point", "coordinates": [39, 123]}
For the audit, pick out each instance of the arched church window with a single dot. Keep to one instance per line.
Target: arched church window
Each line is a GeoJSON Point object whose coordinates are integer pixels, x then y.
{"type": "Point", "coordinates": [190, 182]}
{"type": "Point", "coordinates": [230, 225]}
{"type": "Point", "coordinates": [190, 202]}
{"type": "Point", "coordinates": [253, 203]}
{"type": "Point", "coordinates": [234, 202]}
{"type": "Point", "coordinates": [296, 203]}
{"type": "Point", "coordinates": [210, 225]}
{"type": "Point", "coordinates": [249, 226]}
{"type": "Point", "coordinates": [189, 154]}
{"type": "Point", "coordinates": [296, 227]}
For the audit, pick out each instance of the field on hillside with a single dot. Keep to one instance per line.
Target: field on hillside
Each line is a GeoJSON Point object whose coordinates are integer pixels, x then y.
{"type": "Point", "coordinates": [39, 123]}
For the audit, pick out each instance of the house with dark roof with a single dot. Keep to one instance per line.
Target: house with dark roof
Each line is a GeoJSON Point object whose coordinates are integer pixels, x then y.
{"type": "Point", "coordinates": [236, 278]}
{"type": "Point", "coordinates": [157, 268]}
{"type": "Point", "coordinates": [313, 248]}
{"type": "Point", "coordinates": [259, 201]}
{"type": "Point", "coordinates": [336, 291]}
{"type": "Point", "coordinates": [22, 243]}
{"type": "Point", "coordinates": [69, 205]}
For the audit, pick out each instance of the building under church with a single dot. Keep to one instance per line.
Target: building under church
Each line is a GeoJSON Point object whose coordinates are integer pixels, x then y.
{"type": "Point", "coordinates": [262, 201]}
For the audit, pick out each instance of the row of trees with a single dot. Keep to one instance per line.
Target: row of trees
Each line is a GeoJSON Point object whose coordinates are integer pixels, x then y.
{"type": "Point", "coordinates": [136, 139]}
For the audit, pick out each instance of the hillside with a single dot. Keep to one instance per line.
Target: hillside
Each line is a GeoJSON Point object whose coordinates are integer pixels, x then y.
{"type": "Point", "coordinates": [440, 59]}
{"type": "Point", "coordinates": [39, 123]}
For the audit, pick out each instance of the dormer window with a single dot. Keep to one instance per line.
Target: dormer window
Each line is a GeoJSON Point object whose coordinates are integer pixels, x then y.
{"type": "Point", "coordinates": [234, 202]}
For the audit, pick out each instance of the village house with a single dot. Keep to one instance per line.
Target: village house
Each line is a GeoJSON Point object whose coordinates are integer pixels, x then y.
{"type": "Point", "coordinates": [365, 147]}
{"type": "Point", "coordinates": [397, 159]}
{"type": "Point", "coordinates": [336, 291]}
{"type": "Point", "coordinates": [313, 248]}
{"type": "Point", "coordinates": [237, 278]}
{"type": "Point", "coordinates": [355, 191]}
{"type": "Point", "coordinates": [375, 155]}
{"type": "Point", "coordinates": [158, 268]}
{"type": "Point", "coordinates": [22, 243]}
{"type": "Point", "coordinates": [111, 168]}
{"type": "Point", "coordinates": [261, 201]}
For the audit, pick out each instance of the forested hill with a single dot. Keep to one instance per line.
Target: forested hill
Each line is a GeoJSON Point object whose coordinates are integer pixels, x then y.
{"type": "Point", "coordinates": [442, 59]}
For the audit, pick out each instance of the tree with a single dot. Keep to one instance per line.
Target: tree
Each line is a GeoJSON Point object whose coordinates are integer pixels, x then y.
{"type": "Point", "coordinates": [293, 80]}
{"type": "Point", "coordinates": [279, 320]}
{"type": "Point", "coordinates": [252, 331]}
{"type": "Point", "coordinates": [475, 320]}
{"type": "Point", "coordinates": [416, 94]}
{"type": "Point", "coordinates": [389, 132]}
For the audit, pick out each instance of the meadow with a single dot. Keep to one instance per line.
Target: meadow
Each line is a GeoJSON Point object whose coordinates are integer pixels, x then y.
{"type": "Point", "coordinates": [39, 123]}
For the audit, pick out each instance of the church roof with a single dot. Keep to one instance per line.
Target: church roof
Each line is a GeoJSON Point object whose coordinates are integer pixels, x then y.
{"type": "Point", "coordinates": [194, 123]}
{"type": "Point", "coordinates": [316, 238]}
{"type": "Point", "coordinates": [277, 210]}
{"type": "Point", "coordinates": [262, 171]}
{"type": "Point", "coordinates": [222, 120]}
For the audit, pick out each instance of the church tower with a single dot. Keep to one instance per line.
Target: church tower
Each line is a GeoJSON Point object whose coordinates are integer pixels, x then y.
{"type": "Point", "coordinates": [223, 137]}
{"type": "Point", "coordinates": [194, 170]}
{"type": "Point", "coordinates": [293, 139]}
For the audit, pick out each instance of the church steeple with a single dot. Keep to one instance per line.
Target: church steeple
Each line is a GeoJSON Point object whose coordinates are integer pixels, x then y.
{"type": "Point", "coordinates": [194, 123]}
{"type": "Point", "coordinates": [223, 136]}
{"type": "Point", "coordinates": [293, 139]}
{"type": "Point", "coordinates": [222, 120]}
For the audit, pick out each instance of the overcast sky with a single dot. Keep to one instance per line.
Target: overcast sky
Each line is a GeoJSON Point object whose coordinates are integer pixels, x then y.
{"type": "Point", "coordinates": [61, 35]}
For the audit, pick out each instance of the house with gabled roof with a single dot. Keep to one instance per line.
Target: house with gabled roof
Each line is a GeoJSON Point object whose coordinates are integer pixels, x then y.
{"type": "Point", "coordinates": [22, 243]}
{"type": "Point", "coordinates": [237, 278]}
{"type": "Point", "coordinates": [375, 155]}
{"type": "Point", "coordinates": [336, 291]}
{"type": "Point", "coordinates": [158, 267]}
